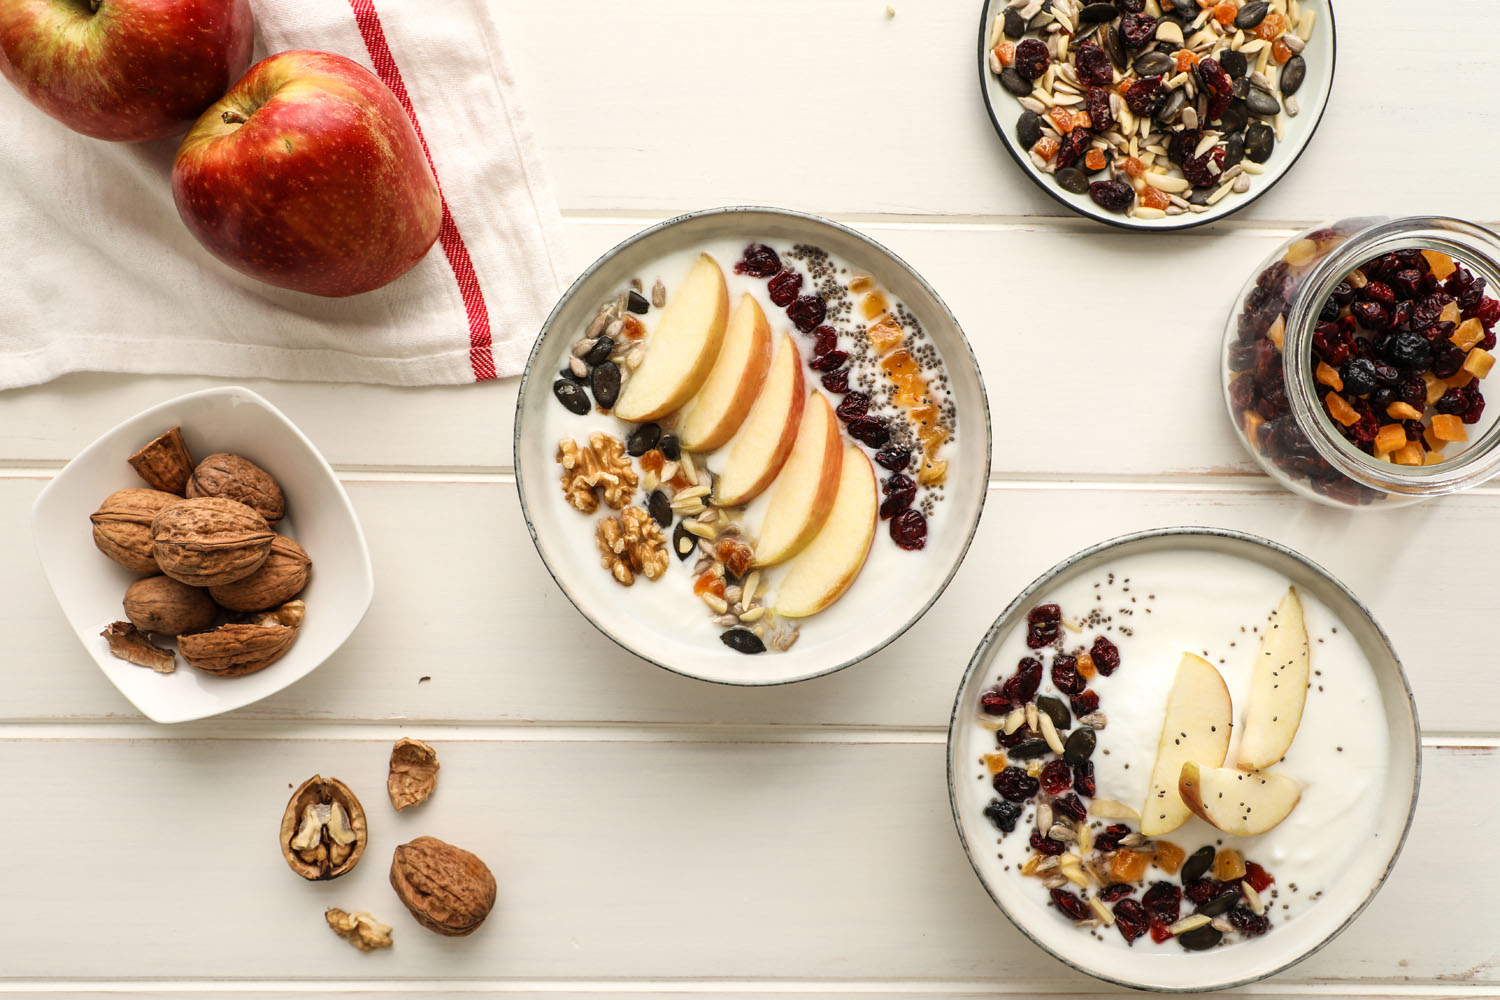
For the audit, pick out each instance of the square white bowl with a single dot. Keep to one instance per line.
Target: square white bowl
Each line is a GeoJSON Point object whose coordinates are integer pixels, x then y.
{"type": "Point", "coordinates": [90, 587]}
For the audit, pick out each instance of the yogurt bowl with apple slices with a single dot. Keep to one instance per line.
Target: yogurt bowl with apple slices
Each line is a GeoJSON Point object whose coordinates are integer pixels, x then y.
{"type": "Point", "coordinates": [744, 436]}
{"type": "Point", "coordinates": [1183, 760]}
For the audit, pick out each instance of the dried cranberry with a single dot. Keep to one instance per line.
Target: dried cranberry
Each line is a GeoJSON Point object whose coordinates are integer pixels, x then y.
{"type": "Point", "coordinates": [1015, 784]}
{"type": "Point", "coordinates": [825, 340]}
{"type": "Point", "coordinates": [1003, 814]}
{"type": "Point", "coordinates": [1042, 634]}
{"type": "Point", "coordinates": [1242, 393]}
{"type": "Point", "coordinates": [1137, 29]}
{"type": "Point", "coordinates": [1248, 922]}
{"type": "Point", "coordinates": [1056, 778]}
{"type": "Point", "coordinates": [1343, 293]}
{"type": "Point", "coordinates": [899, 493]}
{"type": "Point", "coordinates": [1401, 315]}
{"type": "Point", "coordinates": [872, 431]}
{"type": "Point", "coordinates": [1476, 405]}
{"type": "Point", "coordinates": [1205, 171]}
{"type": "Point", "coordinates": [1202, 890]}
{"type": "Point", "coordinates": [1413, 392]}
{"type": "Point", "coordinates": [1161, 930]}
{"type": "Point", "coordinates": [1487, 312]}
{"type": "Point", "coordinates": [1065, 675]}
{"type": "Point", "coordinates": [1084, 704]}
{"type": "Point", "coordinates": [1407, 282]}
{"type": "Point", "coordinates": [1094, 68]}
{"type": "Point", "coordinates": [1218, 85]}
{"type": "Point", "coordinates": [1372, 315]}
{"type": "Point", "coordinates": [1179, 146]}
{"type": "Point", "coordinates": [1070, 805]}
{"type": "Point", "coordinates": [1131, 919]}
{"type": "Point", "coordinates": [1022, 686]}
{"type": "Point", "coordinates": [894, 457]}
{"type": "Point", "coordinates": [1447, 359]}
{"type": "Point", "coordinates": [784, 287]}
{"type": "Point", "coordinates": [909, 530]}
{"type": "Point", "coordinates": [1044, 613]}
{"type": "Point", "coordinates": [1112, 196]}
{"type": "Point", "coordinates": [1106, 655]}
{"type": "Point", "coordinates": [807, 312]}
{"type": "Point", "coordinates": [1071, 905]}
{"type": "Point", "coordinates": [758, 261]}
{"type": "Point", "coordinates": [1115, 891]}
{"type": "Point", "coordinates": [1110, 838]}
{"type": "Point", "coordinates": [1009, 740]}
{"type": "Point", "coordinates": [1378, 291]}
{"type": "Point", "coordinates": [1072, 147]}
{"type": "Point", "coordinates": [1260, 880]}
{"type": "Point", "coordinates": [1101, 116]}
{"type": "Point", "coordinates": [992, 702]}
{"type": "Point", "coordinates": [1045, 845]}
{"type": "Point", "coordinates": [1083, 779]}
{"type": "Point", "coordinates": [832, 361]}
{"type": "Point", "coordinates": [853, 406]}
{"type": "Point", "coordinates": [1146, 96]}
{"type": "Point", "coordinates": [1031, 58]}
{"type": "Point", "coordinates": [837, 381]}
{"type": "Point", "coordinates": [1163, 899]}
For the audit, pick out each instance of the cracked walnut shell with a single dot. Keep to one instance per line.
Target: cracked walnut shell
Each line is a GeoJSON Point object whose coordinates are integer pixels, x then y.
{"type": "Point", "coordinates": [413, 774]}
{"type": "Point", "coordinates": [241, 648]}
{"type": "Point", "coordinates": [130, 644]}
{"type": "Point", "coordinates": [280, 578]}
{"type": "Point", "coordinates": [632, 543]}
{"type": "Point", "coordinates": [235, 477]}
{"type": "Point", "coordinates": [164, 463]}
{"type": "Point", "coordinates": [323, 830]}
{"type": "Point", "coordinates": [161, 604]}
{"type": "Point", "coordinates": [601, 467]}
{"type": "Point", "coordinates": [122, 526]}
{"type": "Point", "coordinates": [210, 541]}
{"type": "Point", "coordinates": [446, 888]}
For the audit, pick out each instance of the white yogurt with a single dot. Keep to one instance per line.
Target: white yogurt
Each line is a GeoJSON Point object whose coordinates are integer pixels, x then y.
{"type": "Point", "coordinates": [1161, 605]}
{"type": "Point", "coordinates": [671, 599]}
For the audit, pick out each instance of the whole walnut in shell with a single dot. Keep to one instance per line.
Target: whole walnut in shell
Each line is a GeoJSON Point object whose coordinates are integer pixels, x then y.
{"type": "Point", "coordinates": [122, 526]}
{"type": "Point", "coordinates": [447, 889]}
{"type": "Point", "coordinates": [235, 477]}
{"type": "Point", "coordinates": [241, 648]}
{"type": "Point", "coordinates": [210, 541]}
{"type": "Point", "coordinates": [280, 578]}
{"type": "Point", "coordinates": [163, 605]}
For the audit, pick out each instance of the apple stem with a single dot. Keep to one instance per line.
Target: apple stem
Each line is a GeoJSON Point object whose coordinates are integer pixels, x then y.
{"type": "Point", "coordinates": [233, 118]}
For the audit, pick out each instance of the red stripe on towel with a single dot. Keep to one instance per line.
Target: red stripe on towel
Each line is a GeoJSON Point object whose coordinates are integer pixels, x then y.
{"type": "Point", "coordinates": [481, 359]}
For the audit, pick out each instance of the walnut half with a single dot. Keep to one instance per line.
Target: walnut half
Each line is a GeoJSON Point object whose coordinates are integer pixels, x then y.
{"type": "Point", "coordinates": [323, 831]}
{"type": "Point", "coordinates": [632, 543]}
{"type": "Point", "coordinates": [601, 467]}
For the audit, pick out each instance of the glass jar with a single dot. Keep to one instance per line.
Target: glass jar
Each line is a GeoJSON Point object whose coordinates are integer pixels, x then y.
{"type": "Point", "coordinates": [1355, 300]}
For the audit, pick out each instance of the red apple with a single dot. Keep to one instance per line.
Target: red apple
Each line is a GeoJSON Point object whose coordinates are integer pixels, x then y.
{"type": "Point", "coordinates": [126, 70]}
{"type": "Point", "coordinates": [309, 175]}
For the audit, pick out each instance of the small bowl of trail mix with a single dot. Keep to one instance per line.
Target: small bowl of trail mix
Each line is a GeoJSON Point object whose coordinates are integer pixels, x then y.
{"type": "Point", "coordinates": [1183, 759]}
{"type": "Point", "coordinates": [1356, 357]}
{"type": "Point", "coordinates": [1156, 114]}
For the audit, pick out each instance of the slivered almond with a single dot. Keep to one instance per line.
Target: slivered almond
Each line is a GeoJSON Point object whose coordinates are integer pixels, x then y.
{"type": "Point", "coordinates": [1186, 924]}
{"type": "Point", "coordinates": [1105, 917]}
{"type": "Point", "coordinates": [1110, 809]}
{"type": "Point", "coordinates": [1049, 733]}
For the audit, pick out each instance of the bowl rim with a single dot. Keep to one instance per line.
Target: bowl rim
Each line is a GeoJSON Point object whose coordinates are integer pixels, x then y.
{"type": "Point", "coordinates": [366, 565]}
{"type": "Point", "coordinates": [879, 249]}
{"type": "Point", "coordinates": [993, 634]}
{"type": "Point", "coordinates": [1090, 211]}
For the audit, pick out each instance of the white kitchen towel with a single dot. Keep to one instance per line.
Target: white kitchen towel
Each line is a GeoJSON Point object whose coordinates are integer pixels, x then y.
{"type": "Point", "coordinates": [97, 273]}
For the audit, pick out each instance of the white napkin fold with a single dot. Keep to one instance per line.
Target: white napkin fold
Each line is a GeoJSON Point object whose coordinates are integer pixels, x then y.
{"type": "Point", "coordinates": [97, 273]}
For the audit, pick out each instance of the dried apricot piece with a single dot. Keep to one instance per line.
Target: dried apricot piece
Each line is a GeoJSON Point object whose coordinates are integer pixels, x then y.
{"type": "Point", "coordinates": [632, 328]}
{"type": "Point", "coordinates": [1410, 453]}
{"type": "Point", "coordinates": [1046, 147]}
{"type": "Point", "coordinates": [1403, 411]}
{"type": "Point", "coordinates": [1389, 438]}
{"type": "Point", "coordinates": [1479, 362]}
{"type": "Point", "coordinates": [1340, 410]}
{"type": "Point", "coordinates": [1085, 665]}
{"type": "Point", "coordinates": [1005, 52]}
{"type": "Point", "coordinates": [874, 306]}
{"type": "Point", "coordinates": [1062, 119]}
{"type": "Point", "coordinates": [884, 336]}
{"type": "Point", "coordinates": [736, 556]}
{"type": "Point", "coordinates": [1133, 166]}
{"type": "Point", "coordinates": [1224, 12]}
{"type": "Point", "coordinates": [1442, 265]}
{"type": "Point", "coordinates": [1185, 59]}
{"type": "Point", "coordinates": [1272, 26]}
{"type": "Point", "coordinates": [1329, 376]}
{"type": "Point", "coordinates": [1169, 856]}
{"type": "Point", "coordinates": [709, 583]}
{"type": "Point", "coordinates": [1253, 421]}
{"type": "Point", "coordinates": [1128, 866]}
{"type": "Point", "coordinates": [1094, 159]}
{"type": "Point", "coordinates": [1154, 198]}
{"type": "Point", "coordinates": [1229, 865]}
{"type": "Point", "coordinates": [1449, 427]}
{"type": "Point", "coordinates": [1281, 51]}
{"type": "Point", "coordinates": [994, 762]}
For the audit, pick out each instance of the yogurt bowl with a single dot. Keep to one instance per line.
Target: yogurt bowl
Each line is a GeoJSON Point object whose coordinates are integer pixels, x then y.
{"type": "Point", "coordinates": [751, 445]}
{"type": "Point", "coordinates": [1130, 632]}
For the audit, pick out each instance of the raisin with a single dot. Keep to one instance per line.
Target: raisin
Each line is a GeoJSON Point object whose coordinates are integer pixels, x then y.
{"type": "Point", "coordinates": [1101, 117]}
{"type": "Point", "coordinates": [1137, 29]}
{"type": "Point", "coordinates": [1015, 784]}
{"type": "Point", "coordinates": [1164, 900]}
{"type": "Point", "coordinates": [871, 431]}
{"type": "Point", "coordinates": [1106, 655]}
{"type": "Point", "coordinates": [1083, 779]}
{"type": "Point", "coordinates": [1410, 351]}
{"type": "Point", "coordinates": [894, 457]}
{"type": "Point", "coordinates": [807, 312]}
{"type": "Point", "coordinates": [909, 530]}
{"type": "Point", "coordinates": [1248, 922]}
{"type": "Point", "coordinates": [1045, 845]}
{"type": "Point", "coordinates": [1070, 805]}
{"type": "Point", "coordinates": [992, 702]}
{"type": "Point", "coordinates": [1071, 905]}
{"type": "Point", "coordinates": [1022, 686]}
{"type": "Point", "coordinates": [1131, 919]}
{"type": "Point", "coordinates": [1084, 704]}
{"type": "Point", "coordinates": [758, 261]}
{"type": "Point", "coordinates": [1003, 814]}
{"type": "Point", "coordinates": [1065, 675]}
{"type": "Point", "coordinates": [837, 381]}
{"type": "Point", "coordinates": [1032, 58]}
{"type": "Point", "coordinates": [853, 406]}
{"type": "Point", "coordinates": [784, 287]}
{"type": "Point", "coordinates": [1094, 70]}
{"type": "Point", "coordinates": [1112, 196]}
{"type": "Point", "coordinates": [1115, 891]}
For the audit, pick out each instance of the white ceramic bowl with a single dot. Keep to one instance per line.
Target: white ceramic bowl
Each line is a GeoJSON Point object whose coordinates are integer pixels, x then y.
{"type": "Point", "coordinates": [1321, 53]}
{"type": "Point", "coordinates": [320, 517]}
{"type": "Point", "coordinates": [1168, 968]}
{"type": "Point", "coordinates": [876, 609]}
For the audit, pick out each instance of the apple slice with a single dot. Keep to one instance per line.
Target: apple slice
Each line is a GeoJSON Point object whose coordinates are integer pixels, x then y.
{"type": "Point", "coordinates": [1278, 688]}
{"type": "Point", "coordinates": [1239, 803]}
{"type": "Point", "coordinates": [720, 406]}
{"type": "Point", "coordinates": [803, 494]}
{"type": "Point", "coordinates": [681, 350]}
{"type": "Point", "coordinates": [821, 573]}
{"type": "Point", "coordinates": [765, 439]}
{"type": "Point", "coordinates": [1196, 728]}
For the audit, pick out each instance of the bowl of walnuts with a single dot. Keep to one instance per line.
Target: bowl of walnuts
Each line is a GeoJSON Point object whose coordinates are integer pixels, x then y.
{"type": "Point", "coordinates": [204, 553]}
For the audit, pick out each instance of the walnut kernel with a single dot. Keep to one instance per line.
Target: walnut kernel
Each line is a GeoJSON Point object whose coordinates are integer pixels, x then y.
{"type": "Point", "coordinates": [602, 466]}
{"type": "Point", "coordinates": [632, 543]}
{"type": "Point", "coordinates": [359, 929]}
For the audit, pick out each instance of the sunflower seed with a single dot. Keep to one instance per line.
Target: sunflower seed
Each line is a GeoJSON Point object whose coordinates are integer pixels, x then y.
{"type": "Point", "coordinates": [577, 367]}
{"type": "Point", "coordinates": [726, 621]}
{"type": "Point", "coordinates": [785, 639]}
{"type": "Point", "coordinates": [635, 357]}
{"type": "Point", "coordinates": [1221, 925]}
{"type": "Point", "coordinates": [1241, 184]}
{"type": "Point", "coordinates": [1062, 833]}
{"type": "Point", "coordinates": [1015, 720]}
{"type": "Point", "coordinates": [582, 348]}
{"type": "Point", "coordinates": [658, 294]}
{"type": "Point", "coordinates": [1293, 42]}
{"type": "Point", "coordinates": [752, 584]}
{"type": "Point", "coordinates": [717, 603]}
{"type": "Point", "coordinates": [753, 614]}
{"type": "Point", "coordinates": [1257, 905]}
{"type": "Point", "coordinates": [1132, 840]}
{"type": "Point", "coordinates": [1054, 882]}
{"type": "Point", "coordinates": [1095, 720]}
{"type": "Point", "coordinates": [1047, 864]}
{"type": "Point", "coordinates": [1292, 107]}
{"type": "Point", "coordinates": [597, 326]}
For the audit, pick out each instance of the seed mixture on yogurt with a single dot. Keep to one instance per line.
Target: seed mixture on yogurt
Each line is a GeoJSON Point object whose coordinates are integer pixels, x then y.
{"type": "Point", "coordinates": [773, 415]}
{"type": "Point", "coordinates": [1152, 108]}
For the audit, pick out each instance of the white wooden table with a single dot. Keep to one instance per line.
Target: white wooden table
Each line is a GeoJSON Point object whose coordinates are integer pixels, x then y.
{"type": "Point", "coordinates": [653, 835]}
